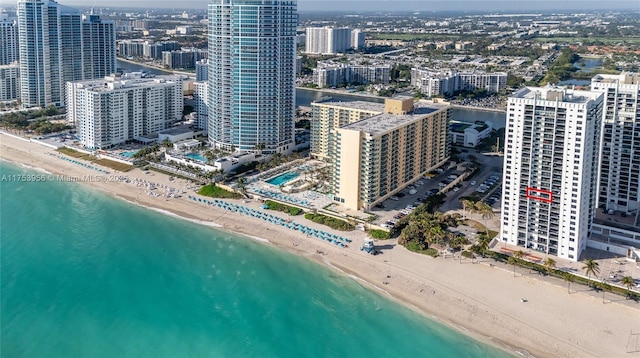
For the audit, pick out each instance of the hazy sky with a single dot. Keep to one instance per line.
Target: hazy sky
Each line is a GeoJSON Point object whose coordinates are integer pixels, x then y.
{"type": "Point", "coordinates": [385, 5]}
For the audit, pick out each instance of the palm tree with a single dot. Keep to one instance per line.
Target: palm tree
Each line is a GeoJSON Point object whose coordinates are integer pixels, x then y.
{"type": "Point", "coordinates": [549, 264]}
{"type": "Point", "coordinates": [466, 205]}
{"type": "Point", "coordinates": [483, 245]}
{"type": "Point", "coordinates": [628, 282]}
{"type": "Point", "coordinates": [486, 211]}
{"type": "Point", "coordinates": [590, 267]}
{"type": "Point", "coordinates": [513, 261]}
{"type": "Point", "coordinates": [518, 254]}
{"type": "Point", "coordinates": [569, 278]}
{"type": "Point", "coordinates": [242, 185]}
{"type": "Point", "coordinates": [259, 148]}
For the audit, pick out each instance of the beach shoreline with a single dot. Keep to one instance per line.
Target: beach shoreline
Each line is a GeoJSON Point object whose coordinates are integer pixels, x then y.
{"type": "Point", "coordinates": [481, 301]}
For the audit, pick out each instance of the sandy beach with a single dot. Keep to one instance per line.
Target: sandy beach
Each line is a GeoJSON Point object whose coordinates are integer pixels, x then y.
{"type": "Point", "coordinates": [484, 301]}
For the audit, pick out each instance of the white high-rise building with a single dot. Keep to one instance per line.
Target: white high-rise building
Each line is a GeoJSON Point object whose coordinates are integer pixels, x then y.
{"type": "Point", "coordinates": [358, 39]}
{"type": "Point", "coordinates": [327, 40]}
{"type": "Point", "coordinates": [619, 186]}
{"type": "Point", "coordinates": [550, 170]}
{"type": "Point", "coordinates": [252, 56]}
{"type": "Point", "coordinates": [8, 39]}
{"type": "Point", "coordinates": [114, 110]}
{"type": "Point", "coordinates": [202, 110]}
{"type": "Point", "coordinates": [202, 70]}
{"type": "Point", "coordinates": [99, 52]}
{"type": "Point", "coordinates": [54, 49]}
{"type": "Point", "coordinates": [9, 82]}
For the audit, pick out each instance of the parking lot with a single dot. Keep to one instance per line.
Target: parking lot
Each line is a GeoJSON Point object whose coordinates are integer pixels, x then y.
{"type": "Point", "coordinates": [488, 182]}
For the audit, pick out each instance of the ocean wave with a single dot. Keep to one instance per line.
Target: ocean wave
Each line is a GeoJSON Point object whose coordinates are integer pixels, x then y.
{"type": "Point", "coordinates": [259, 239]}
{"type": "Point", "coordinates": [169, 213]}
{"type": "Point", "coordinates": [25, 166]}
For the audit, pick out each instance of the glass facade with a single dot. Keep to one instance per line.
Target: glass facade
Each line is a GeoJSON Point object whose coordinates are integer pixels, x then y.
{"type": "Point", "coordinates": [252, 74]}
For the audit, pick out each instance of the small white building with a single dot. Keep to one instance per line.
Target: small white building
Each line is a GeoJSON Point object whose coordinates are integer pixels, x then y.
{"type": "Point", "coordinates": [469, 134]}
{"type": "Point", "coordinates": [187, 144]}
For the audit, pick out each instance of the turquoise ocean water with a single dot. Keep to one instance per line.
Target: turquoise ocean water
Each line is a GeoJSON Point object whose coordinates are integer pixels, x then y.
{"type": "Point", "coordinates": [86, 275]}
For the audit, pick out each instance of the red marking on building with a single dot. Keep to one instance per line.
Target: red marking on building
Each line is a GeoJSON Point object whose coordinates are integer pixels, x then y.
{"type": "Point", "coordinates": [539, 194]}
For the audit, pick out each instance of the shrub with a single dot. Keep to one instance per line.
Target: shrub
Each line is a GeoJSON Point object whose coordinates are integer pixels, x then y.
{"type": "Point", "coordinates": [413, 246]}
{"type": "Point", "coordinates": [333, 223]}
{"type": "Point", "coordinates": [467, 254]}
{"type": "Point", "coordinates": [431, 252]}
{"type": "Point", "coordinates": [379, 234]}
{"type": "Point", "coordinates": [293, 211]}
{"type": "Point", "coordinates": [214, 191]}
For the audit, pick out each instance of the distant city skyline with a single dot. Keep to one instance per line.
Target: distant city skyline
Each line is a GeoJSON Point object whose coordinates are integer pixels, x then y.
{"type": "Point", "coordinates": [380, 5]}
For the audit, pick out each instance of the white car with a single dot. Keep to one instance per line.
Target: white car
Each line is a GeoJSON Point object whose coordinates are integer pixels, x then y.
{"type": "Point", "coordinates": [473, 182]}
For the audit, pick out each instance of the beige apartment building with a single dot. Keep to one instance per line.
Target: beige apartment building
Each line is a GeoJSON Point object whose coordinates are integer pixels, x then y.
{"type": "Point", "coordinates": [374, 158]}
{"type": "Point", "coordinates": [329, 114]}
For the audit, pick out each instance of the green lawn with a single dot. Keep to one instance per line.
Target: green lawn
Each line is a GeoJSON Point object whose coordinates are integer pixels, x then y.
{"type": "Point", "coordinates": [113, 164]}
{"type": "Point", "coordinates": [72, 153]}
{"type": "Point", "coordinates": [214, 191]}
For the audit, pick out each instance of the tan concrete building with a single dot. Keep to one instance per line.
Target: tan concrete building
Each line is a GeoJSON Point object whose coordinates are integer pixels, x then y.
{"type": "Point", "coordinates": [374, 158]}
{"type": "Point", "coordinates": [329, 114]}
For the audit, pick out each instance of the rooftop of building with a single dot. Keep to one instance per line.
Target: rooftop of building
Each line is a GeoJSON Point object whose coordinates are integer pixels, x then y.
{"type": "Point", "coordinates": [555, 94]}
{"type": "Point", "coordinates": [627, 78]}
{"type": "Point", "coordinates": [177, 130]}
{"type": "Point", "coordinates": [127, 80]}
{"type": "Point", "coordinates": [385, 122]}
{"type": "Point", "coordinates": [354, 105]}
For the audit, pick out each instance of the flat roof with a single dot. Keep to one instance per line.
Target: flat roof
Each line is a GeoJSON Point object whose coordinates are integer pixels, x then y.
{"type": "Point", "coordinates": [177, 130]}
{"type": "Point", "coordinates": [113, 83]}
{"type": "Point", "coordinates": [569, 96]}
{"type": "Point", "coordinates": [386, 121]}
{"type": "Point", "coordinates": [357, 105]}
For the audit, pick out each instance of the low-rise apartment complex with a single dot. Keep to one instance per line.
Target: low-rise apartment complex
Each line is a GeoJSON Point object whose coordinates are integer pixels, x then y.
{"type": "Point", "coordinates": [435, 83]}
{"type": "Point", "coordinates": [333, 74]}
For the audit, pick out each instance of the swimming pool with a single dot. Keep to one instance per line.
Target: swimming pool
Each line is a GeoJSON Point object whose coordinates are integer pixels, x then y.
{"type": "Point", "coordinates": [128, 154]}
{"type": "Point", "coordinates": [196, 156]}
{"type": "Point", "coordinates": [283, 178]}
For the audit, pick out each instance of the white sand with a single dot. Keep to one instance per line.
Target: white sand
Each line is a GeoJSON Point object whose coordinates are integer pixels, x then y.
{"type": "Point", "coordinates": [480, 300]}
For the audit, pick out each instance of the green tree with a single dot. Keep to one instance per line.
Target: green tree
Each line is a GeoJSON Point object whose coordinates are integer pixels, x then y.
{"type": "Point", "coordinates": [467, 205]}
{"type": "Point", "coordinates": [485, 211]}
{"type": "Point", "coordinates": [518, 254]}
{"type": "Point", "coordinates": [627, 281]}
{"type": "Point", "coordinates": [549, 264]}
{"type": "Point", "coordinates": [591, 267]}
